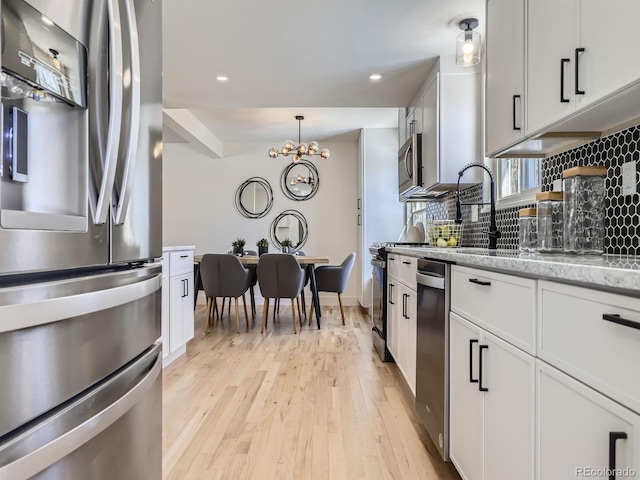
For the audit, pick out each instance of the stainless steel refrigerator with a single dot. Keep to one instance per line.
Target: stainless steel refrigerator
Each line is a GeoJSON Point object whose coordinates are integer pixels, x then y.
{"type": "Point", "coordinates": [80, 227]}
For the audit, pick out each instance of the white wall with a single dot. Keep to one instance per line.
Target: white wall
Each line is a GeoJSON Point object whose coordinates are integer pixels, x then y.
{"type": "Point", "coordinates": [199, 192]}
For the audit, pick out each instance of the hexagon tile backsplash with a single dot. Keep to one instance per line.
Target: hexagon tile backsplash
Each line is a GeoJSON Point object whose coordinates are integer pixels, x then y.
{"type": "Point", "coordinates": [622, 217]}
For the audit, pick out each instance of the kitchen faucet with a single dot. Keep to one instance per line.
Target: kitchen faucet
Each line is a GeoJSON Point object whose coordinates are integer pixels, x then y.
{"type": "Point", "coordinates": [494, 233]}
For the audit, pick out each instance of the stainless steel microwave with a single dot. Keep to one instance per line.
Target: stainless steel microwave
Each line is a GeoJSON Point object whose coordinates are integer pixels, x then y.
{"type": "Point", "coordinates": [410, 167]}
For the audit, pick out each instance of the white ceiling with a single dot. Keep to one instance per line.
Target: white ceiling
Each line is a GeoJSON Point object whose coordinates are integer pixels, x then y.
{"type": "Point", "coordinates": [304, 57]}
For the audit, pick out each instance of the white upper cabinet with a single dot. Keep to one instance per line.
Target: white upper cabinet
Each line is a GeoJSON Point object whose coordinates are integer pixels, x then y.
{"type": "Point", "coordinates": [578, 53]}
{"type": "Point", "coordinates": [610, 58]}
{"type": "Point", "coordinates": [505, 57]}
{"type": "Point", "coordinates": [553, 36]}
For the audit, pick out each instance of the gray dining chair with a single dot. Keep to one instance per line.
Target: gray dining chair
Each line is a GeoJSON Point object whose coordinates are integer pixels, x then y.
{"type": "Point", "coordinates": [334, 278]}
{"type": "Point", "coordinates": [224, 276]}
{"type": "Point", "coordinates": [280, 276]}
{"type": "Point", "coordinates": [254, 280]}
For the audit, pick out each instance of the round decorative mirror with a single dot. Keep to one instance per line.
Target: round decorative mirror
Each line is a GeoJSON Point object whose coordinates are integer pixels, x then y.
{"type": "Point", "coordinates": [289, 225]}
{"type": "Point", "coordinates": [300, 181]}
{"type": "Point", "coordinates": [254, 198]}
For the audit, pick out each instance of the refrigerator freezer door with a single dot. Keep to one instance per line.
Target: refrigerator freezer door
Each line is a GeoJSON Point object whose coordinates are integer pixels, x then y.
{"type": "Point", "coordinates": [59, 337]}
{"type": "Point", "coordinates": [111, 431]}
{"type": "Point", "coordinates": [137, 198]}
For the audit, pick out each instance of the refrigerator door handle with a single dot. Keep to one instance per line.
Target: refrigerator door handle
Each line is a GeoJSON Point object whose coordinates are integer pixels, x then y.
{"type": "Point", "coordinates": [100, 206]}
{"type": "Point", "coordinates": [122, 203]}
{"type": "Point", "coordinates": [40, 458]}
{"type": "Point", "coordinates": [49, 310]}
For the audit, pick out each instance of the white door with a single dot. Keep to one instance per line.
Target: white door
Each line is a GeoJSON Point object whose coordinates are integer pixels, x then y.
{"type": "Point", "coordinates": [187, 310]}
{"type": "Point", "coordinates": [392, 318]}
{"type": "Point", "coordinates": [575, 427]}
{"type": "Point", "coordinates": [610, 57]}
{"type": "Point", "coordinates": [177, 290]}
{"type": "Point", "coordinates": [505, 74]}
{"type": "Point", "coordinates": [465, 399]}
{"type": "Point", "coordinates": [508, 375]}
{"type": "Point", "coordinates": [552, 36]}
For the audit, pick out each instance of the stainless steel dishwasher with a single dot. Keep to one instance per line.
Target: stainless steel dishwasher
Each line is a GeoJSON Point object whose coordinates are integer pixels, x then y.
{"type": "Point", "coordinates": [432, 365]}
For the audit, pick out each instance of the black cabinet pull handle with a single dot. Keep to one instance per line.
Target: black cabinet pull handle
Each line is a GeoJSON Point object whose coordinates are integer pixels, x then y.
{"type": "Point", "coordinates": [391, 293]}
{"type": "Point", "coordinates": [613, 437]}
{"type": "Point", "coordinates": [404, 305]}
{"type": "Point", "coordinates": [392, 259]}
{"type": "Point", "coordinates": [578, 91]}
{"type": "Point", "coordinates": [480, 282]}
{"type": "Point", "coordinates": [407, 263]}
{"type": "Point", "coordinates": [480, 349]}
{"type": "Point", "coordinates": [186, 284]}
{"type": "Point", "coordinates": [471, 379]}
{"type": "Point", "coordinates": [184, 256]}
{"type": "Point", "coordinates": [359, 220]}
{"type": "Point", "coordinates": [514, 112]}
{"type": "Point", "coordinates": [615, 318]}
{"type": "Point", "coordinates": [562, 62]}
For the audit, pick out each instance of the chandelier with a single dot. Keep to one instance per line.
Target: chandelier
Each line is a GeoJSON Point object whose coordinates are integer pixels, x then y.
{"type": "Point", "coordinates": [289, 148]}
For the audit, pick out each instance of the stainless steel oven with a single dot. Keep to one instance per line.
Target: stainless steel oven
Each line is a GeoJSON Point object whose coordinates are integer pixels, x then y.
{"type": "Point", "coordinates": [432, 369]}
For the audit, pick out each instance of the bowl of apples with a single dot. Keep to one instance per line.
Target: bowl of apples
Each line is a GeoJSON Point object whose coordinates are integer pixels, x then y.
{"type": "Point", "coordinates": [445, 233]}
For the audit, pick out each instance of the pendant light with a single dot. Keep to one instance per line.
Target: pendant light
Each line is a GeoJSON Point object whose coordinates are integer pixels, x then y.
{"type": "Point", "coordinates": [468, 43]}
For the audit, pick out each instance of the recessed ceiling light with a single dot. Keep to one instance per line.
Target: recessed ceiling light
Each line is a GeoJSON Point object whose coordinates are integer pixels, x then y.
{"type": "Point", "coordinates": [222, 78]}
{"type": "Point", "coordinates": [375, 76]}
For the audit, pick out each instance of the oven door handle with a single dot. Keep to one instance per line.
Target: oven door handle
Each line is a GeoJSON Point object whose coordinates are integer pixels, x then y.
{"type": "Point", "coordinates": [431, 281]}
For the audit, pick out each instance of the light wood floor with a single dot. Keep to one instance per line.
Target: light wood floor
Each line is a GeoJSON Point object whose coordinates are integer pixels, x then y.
{"type": "Point", "coordinates": [317, 405]}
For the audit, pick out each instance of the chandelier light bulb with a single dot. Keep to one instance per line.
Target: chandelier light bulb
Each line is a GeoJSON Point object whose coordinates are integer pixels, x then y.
{"type": "Point", "coordinates": [302, 149]}
{"type": "Point", "coordinates": [288, 145]}
{"type": "Point", "coordinates": [313, 147]}
{"type": "Point", "coordinates": [325, 153]}
{"type": "Point", "coordinates": [273, 153]}
{"type": "Point", "coordinates": [296, 158]}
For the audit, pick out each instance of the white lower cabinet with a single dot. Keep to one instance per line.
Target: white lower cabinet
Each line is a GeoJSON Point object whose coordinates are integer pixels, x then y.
{"type": "Point", "coordinates": [491, 405]}
{"type": "Point", "coordinates": [177, 302]}
{"type": "Point", "coordinates": [582, 433]}
{"type": "Point", "coordinates": [402, 318]}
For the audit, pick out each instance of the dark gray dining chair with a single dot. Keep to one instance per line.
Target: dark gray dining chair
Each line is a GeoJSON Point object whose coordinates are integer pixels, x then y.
{"type": "Point", "coordinates": [254, 280]}
{"type": "Point", "coordinates": [224, 276]}
{"type": "Point", "coordinates": [334, 278]}
{"type": "Point", "coordinates": [280, 276]}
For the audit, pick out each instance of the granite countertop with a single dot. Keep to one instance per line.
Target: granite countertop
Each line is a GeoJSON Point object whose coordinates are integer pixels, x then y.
{"type": "Point", "coordinates": [611, 272]}
{"type": "Point", "coordinates": [176, 248]}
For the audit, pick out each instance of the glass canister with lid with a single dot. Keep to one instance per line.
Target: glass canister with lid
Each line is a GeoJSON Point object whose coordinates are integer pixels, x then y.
{"type": "Point", "coordinates": [527, 230]}
{"type": "Point", "coordinates": [550, 227]}
{"type": "Point", "coordinates": [584, 208]}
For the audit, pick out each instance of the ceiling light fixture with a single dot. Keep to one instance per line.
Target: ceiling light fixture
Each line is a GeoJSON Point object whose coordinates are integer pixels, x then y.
{"type": "Point", "coordinates": [222, 78]}
{"type": "Point", "coordinates": [375, 76]}
{"type": "Point", "coordinates": [301, 149]}
{"type": "Point", "coordinates": [468, 43]}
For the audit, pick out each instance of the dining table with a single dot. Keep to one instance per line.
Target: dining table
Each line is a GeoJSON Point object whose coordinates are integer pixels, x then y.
{"type": "Point", "coordinates": [308, 261]}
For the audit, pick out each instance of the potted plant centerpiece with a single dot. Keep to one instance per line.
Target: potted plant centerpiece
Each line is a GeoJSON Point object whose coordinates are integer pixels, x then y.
{"type": "Point", "coordinates": [238, 246]}
{"type": "Point", "coordinates": [287, 245]}
{"type": "Point", "coordinates": [263, 246]}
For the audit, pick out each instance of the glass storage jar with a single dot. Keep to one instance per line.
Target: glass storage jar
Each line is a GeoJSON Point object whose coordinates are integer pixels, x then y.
{"type": "Point", "coordinates": [550, 227]}
{"type": "Point", "coordinates": [527, 230]}
{"type": "Point", "coordinates": [583, 212]}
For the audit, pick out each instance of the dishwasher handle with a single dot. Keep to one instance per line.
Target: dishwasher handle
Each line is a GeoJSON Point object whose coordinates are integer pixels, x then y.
{"type": "Point", "coordinates": [430, 280]}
